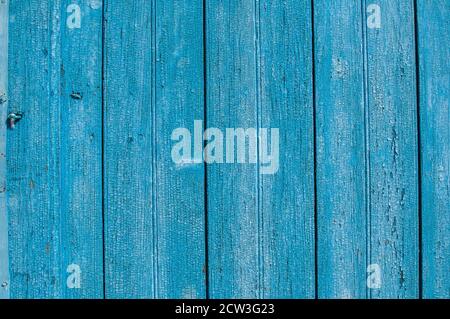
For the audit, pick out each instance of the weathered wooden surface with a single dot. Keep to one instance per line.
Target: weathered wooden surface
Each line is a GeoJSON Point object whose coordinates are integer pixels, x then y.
{"type": "Point", "coordinates": [54, 152]}
{"type": "Point", "coordinates": [392, 161]}
{"type": "Point", "coordinates": [4, 260]}
{"type": "Point", "coordinates": [154, 209]}
{"type": "Point", "coordinates": [434, 64]}
{"type": "Point", "coordinates": [367, 169]}
{"type": "Point", "coordinates": [358, 208]}
{"type": "Point", "coordinates": [259, 74]}
{"type": "Point", "coordinates": [340, 149]}
{"type": "Point", "coordinates": [286, 102]}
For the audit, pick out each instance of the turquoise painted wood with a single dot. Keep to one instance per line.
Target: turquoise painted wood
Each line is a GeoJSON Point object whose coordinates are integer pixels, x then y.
{"type": "Point", "coordinates": [92, 204]}
{"type": "Point", "coordinates": [259, 75]}
{"type": "Point", "coordinates": [154, 209]}
{"type": "Point", "coordinates": [434, 66]}
{"type": "Point", "coordinates": [393, 228]}
{"type": "Point", "coordinates": [81, 146]}
{"type": "Point", "coordinates": [341, 167]}
{"type": "Point", "coordinates": [234, 219]}
{"type": "Point", "coordinates": [367, 155]}
{"type": "Point", "coordinates": [54, 153]}
{"type": "Point", "coordinates": [286, 199]}
{"type": "Point", "coordinates": [180, 189]}
{"type": "Point", "coordinates": [4, 260]}
{"type": "Point", "coordinates": [128, 150]}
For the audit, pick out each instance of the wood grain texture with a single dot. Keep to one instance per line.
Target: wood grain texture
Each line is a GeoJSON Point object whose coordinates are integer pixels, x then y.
{"type": "Point", "coordinates": [54, 154]}
{"type": "Point", "coordinates": [154, 210]}
{"type": "Point", "coordinates": [286, 102]}
{"type": "Point", "coordinates": [4, 255]}
{"type": "Point", "coordinates": [81, 147]}
{"type": "Point", "coordinates": [87, 177]}
{"type": "Point", "coordinates": [366, 150]}
{"type": "Point", "coordinates": [180, 189]}
{"type": "Point", "coordinates": [259, 74]}
{"type": "Point", "coordinates": [233, 213]}
{"type": "Point", "coordinates": [434, 56]}
{"type": "Point", "coordinates": [340, 146]}
{"type": "Point", "coordinates": [392, 151]}
{"type": "Point", "coordinates": [128, 137]}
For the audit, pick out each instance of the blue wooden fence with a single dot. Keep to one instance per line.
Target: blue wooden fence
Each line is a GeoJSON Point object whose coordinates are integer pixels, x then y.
{"type": "Point", "coordinates": [92, 204]}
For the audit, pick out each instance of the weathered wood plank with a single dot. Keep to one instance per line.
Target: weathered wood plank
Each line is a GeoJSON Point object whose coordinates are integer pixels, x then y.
{"type": "Point", "coordinates": [128, 136]}
{"type": "Point", "coordinates": [259, 75]}
{"type": "Point", "coordinates": [434, 64]}
{"type": "Point", "coordinates": [287, 197]}
{"type": "Point", "coordinates": [81, 145]}
{"type": "Point", "coordinates": [154, 209]}
{"type": "Point", "coordinates": [4, 258]}
{"type": "Point", "coordinates": [374, 160]}
{"type": "Point", "coordinates": [392, 139]}
{"type": "Point", "coordinates": [340, 147]}
{"type": "Point", "coordinates": [180, 189]}
{"type": "Point", "coordinates": [54, 153]}
{"type": "Point", "coordinates": [233, 215]}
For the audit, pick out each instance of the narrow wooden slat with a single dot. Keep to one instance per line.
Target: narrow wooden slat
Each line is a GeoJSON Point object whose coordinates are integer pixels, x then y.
{"type": "Point", "coordinates": [4, 258]}
{"type": "Point", "coordinates": [392, 139]}
{"type": "Point", "coordinates": [180, 190]}
{"type": "Point", "coordinates": [154, 209]}
{"type": "Point", "coordinates": [54, 153]}
{"type": "Point", "coordinates": [340, 146]}
{"type": "Point", "coordinates": [259, 75]}
{"type": "Point", "coordinates": [434, 65]}
{"type": "Point", "coordinates": [287, 197]}
{"type": "Point", "coordinates": [81, 146]}
{"type": "Point", "coordinates": [129, 211]}
{"type": "Point", "coordinates": [232, 102]}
